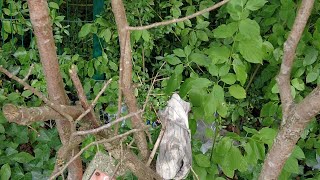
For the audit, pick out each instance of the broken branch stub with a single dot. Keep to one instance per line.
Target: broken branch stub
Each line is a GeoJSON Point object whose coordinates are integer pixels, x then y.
{"type": "Point", "coordinates": [175, 156]}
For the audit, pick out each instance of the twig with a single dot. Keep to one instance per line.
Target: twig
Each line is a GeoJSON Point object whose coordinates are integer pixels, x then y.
{"type": "Point", "coordinates": [82, 97]}
{"type": "Point", "coordinates": [94, 101]}
{"type": "Point", "coordinates": [91, 144]}
{"type": "Point", "coordinates": [163, 23]}
{"type": "Point", "coordinates": [156, 145]}
{"type": "Point", "coordinates": [151, 87]}
{"type": "Point", "coordinates": [96, 130]}
{"type": "Point", "coordinates": [194, 173]}
{"type": "Point", "coordinates": [37, 93]}
{"type": "Point", "coordinates": [252, 76]}
{"type": "Point", "coordinates": [29, 73]}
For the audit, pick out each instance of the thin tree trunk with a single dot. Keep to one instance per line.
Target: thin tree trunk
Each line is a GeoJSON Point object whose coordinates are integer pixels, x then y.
{"type": "Point", "coordinates": [126, 74]}
{"type": "Point", "coordinates": [295, 116]}
{"type": "Point", "coordinates": [41, 24]}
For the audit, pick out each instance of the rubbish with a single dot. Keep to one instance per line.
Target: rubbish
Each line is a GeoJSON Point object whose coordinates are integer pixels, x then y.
{"type": "Point", "coordinates": [175, 157]}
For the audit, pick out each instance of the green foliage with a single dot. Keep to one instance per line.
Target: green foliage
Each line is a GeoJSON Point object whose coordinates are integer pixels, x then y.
{"type": "Point", "coordinates": [223, 62]}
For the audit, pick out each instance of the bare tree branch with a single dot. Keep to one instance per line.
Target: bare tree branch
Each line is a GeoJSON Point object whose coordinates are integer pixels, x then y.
{"type": "Point", "coordinates": [94, 101]}
{"type": "Point", "coordinates": [295, 117]}
{"type": "Point", "coordinates": [29, 72]}
{"type": "Point", "coordinates": [26, 116]}
{"type": "Point", "coordinates": [96, 130]}
{"type": "Point", "coordinates": [163, 23]}
{"type": "Point", "coordinates": [37, 93]}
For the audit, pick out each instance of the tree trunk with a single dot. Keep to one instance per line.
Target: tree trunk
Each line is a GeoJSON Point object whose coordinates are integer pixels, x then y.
{"type": "Point", "coordinates": [41, 24]}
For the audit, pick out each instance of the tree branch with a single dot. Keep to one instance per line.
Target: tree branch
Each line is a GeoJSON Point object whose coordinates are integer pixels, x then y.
{"type": "Point", "coordinates": [91, 144]}
{"type": "Point", "coordinates": [26, 116]}
{"type": "Point", "coordinates": [163, 23]}
{"type": "Point", "coordinates": [290, 47]}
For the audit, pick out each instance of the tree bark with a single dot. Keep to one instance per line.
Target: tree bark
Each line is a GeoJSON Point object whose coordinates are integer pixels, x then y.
{"type": "Point", "coordinates": [295, 116]}
{"type": "Point", "coordinates": [27, 116]}
{"type": "Point", "coordinates": [126, 74]}
{"type": "Point", "coordinates": [41, 23]}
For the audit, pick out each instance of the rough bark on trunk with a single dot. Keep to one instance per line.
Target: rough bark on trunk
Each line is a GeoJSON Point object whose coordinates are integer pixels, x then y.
{"type": "Point", "coordinates": [41, 23]}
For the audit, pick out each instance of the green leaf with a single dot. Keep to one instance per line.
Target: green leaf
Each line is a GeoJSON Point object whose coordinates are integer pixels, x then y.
{"type": "Point", "coordinates": [218, 54]}
{"type": "Point", "coordinates": [53, 5]}
{"type": "Point", "coordinates": [225, 31]}
{"type": "Point", "coordinates": [236, 9]}
{"type": "Point", "coordinates": [6, 26]}
{"type": "Point", "coordinates": [5, 172]}
{"type": "Point", "coordinates": [26, 93]}
{"type": "Point", "coordinates": [213, 70]}
{"type": "Point", "coordinates": [311, 56]}
{"type": "Point", "coordinates": [200, 171]}
{"type": "Point", "coordinates": [146, 35]}
{"type": "Point", "coordinates": [2, 129]}
{"type": "Point", "coordinates": [187, 50]}
{"type": "Point", "coordinates": [312, 76]}
{"type": "Point", "coordinates": [237, 91]}
{"type": "Point", "coordinates": [224, 70]}
{"type": "Point", "coordinates": [106, 34]}
{"type": "Point", "coordinates": [229, 78]}
{"type": "Point", "coordinates": [241, 73]}
{"type": "Point", "coordinates": [200, 59]}
{"type": "Point", "coordinates": [179, 53]}
{"type": "Point", "coordinates": [202, 160]}
{"type": "Point", "coordinates": [292, 165]}
{"type": "Point", "coordinates": [298, 153]}
{"type": "Point", "coordinates": [22, 157]}
{"type": "Point", "coordinates": [298, 84]}
{"type": "Point", "coordinates": [136, 35]}
{"type": "Point", "coordinates": [202, 35]}
{"type": "Point", "coordinates": [186, 87]}
{"type": "Point", "coordinates": [113, 66]}
{"type": "Point", "coordinates": [254, 5]}
{"type": "Point", "coordinates": [85, 30]}
{"type": "Point", "coordinates": [249, 28]}
{"type": "Point", "coordinates": [173, 60]}
{"type": "Point", "coordinates": [251, 50]}
{"type": "Point", "coordinates": [173, 83]}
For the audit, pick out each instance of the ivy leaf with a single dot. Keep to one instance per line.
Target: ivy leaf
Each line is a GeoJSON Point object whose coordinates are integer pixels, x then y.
{"type": "Point", "coordinates": [200, 59]}
{"type": "Point", "coordinates": [311, 56]}
{"type": "Point", "coordinates": [202, 160]}
{"type": "Point", "coordinates": [251, 50]}
{"type": "Point", "coordinates": [22, 157]}
{"type": "Point", "coordinates": [237, 91]}
{"type": "Point", "coordinates": [225, 31]}
{"type": "Point", "coordinates": [254, 5]}
{"type": "Point", "coordinates": [85, 30]}
{"type": "Point", "coordinates": [5, 172]}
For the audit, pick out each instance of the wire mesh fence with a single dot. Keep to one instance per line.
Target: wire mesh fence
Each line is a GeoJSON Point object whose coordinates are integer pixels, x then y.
{"type": "Point", "coordinates": [67, 17]}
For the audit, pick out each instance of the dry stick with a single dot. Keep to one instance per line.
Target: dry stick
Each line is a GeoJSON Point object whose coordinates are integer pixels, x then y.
{"type": "Point", "coordinates": [96, 130]}
{"type": "Point", "coordinates": [37, 93]}
{"type": "Point", "coordinates": [29, 73]}
{"type": "Point", "coordinates": [91, 144]}
{"type": "Point", "coordinates": [94, 101]}
{"type": "Point", "coordinates": [163, 23]}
